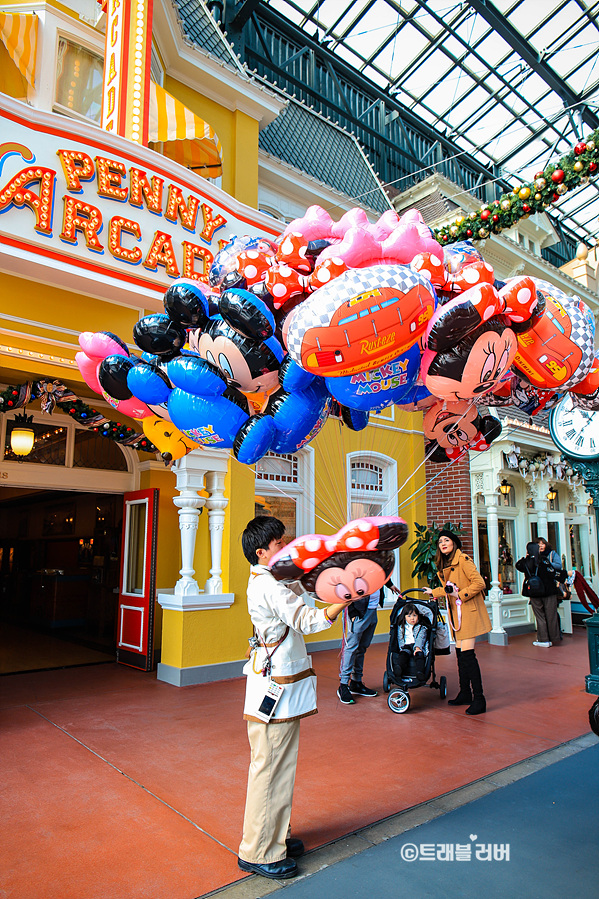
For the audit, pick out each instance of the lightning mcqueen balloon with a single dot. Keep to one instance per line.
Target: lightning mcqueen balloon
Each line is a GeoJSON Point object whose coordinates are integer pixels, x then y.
{"type": "Point", "coordinates": [363, 319]}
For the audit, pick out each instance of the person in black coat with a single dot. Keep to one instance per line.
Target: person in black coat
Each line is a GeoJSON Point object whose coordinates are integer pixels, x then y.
{"type": "Point", "coordinates": [535, 564]}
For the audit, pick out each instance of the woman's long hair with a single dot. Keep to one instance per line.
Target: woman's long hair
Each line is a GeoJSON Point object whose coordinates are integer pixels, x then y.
{"type": "Point", "coordinates": [548, 547]}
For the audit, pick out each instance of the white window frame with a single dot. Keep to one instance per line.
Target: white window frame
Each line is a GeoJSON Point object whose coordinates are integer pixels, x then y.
{"type": "Point", "coordinates": [302, 492]}
{"type": "Point", "coordinates": [387, 496]}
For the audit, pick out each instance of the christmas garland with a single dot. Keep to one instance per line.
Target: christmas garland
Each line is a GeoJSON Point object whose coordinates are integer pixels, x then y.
{"type": "Point", "coordinates": [549, 186]}
{"type": "Point", "coordinates": [53, 393]}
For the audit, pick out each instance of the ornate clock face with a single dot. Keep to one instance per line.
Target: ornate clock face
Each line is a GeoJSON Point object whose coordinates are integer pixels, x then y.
{"type": "Point", "coordinates": [575, 431]}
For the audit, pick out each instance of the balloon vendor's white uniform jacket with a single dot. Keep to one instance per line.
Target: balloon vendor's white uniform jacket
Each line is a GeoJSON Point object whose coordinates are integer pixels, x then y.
{"type": "Point", "coordinates": [275, 607]}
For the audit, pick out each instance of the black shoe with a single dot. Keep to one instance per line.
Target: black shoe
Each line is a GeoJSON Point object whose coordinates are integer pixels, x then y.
{"type": "Point", "coordinates": [478, 706]}
{"type": "Point", "coordinates": [462, 698]}
{"type": "Point", "coordinates": [295, 848]}
{"type": "Point", "coordinates": [344, 695]}
{"type": "Point", "coordinates": [275, 870]}
{"type": "Point", "coordinates": [357, 687]}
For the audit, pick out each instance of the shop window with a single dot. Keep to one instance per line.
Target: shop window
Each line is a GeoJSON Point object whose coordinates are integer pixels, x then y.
{"type": "Point", "coordinates": [280, 502]}
{"type": "Point", "coordinates": [506, 570]}
{"type": "Point", "coordinates": [94, 451]}
{"type": "Point", "coordinates": [79, 77]}
{"type": "Point", "coordinates": [505, 563]}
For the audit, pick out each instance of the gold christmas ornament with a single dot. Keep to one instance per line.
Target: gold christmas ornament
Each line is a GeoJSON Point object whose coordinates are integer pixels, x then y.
{"type": "Point", "coordinates": [453, 230]}
{"type": "Point", "coordinates": [524, 193]}
{"type": "Point", "coordinates": [460, 220]}
{"type": "Point", "coordinates": [506, 204]}
{"type": "Point", "coordinates": [561, 189]}
{"type": "Point", "coordinates": [584, 179]}
{"type": "Point", "coordinates": [483, 232]}
{"type": "Point", "coordinates": [578, 166]}
{"type": "Point", "coordinates": [591, 145]}
{"type": "Point", "coordinates": [474, 215]}
{"type": "Point", "coordinates": [538, 196]}
{"type": "Point", "coordinates": [516, 191]}
{"type": "Point", "coordinates": [540, 184]}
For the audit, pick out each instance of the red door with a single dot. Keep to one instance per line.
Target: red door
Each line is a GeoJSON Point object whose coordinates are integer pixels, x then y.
{"type": "Point", "coordinates": [135, 620]}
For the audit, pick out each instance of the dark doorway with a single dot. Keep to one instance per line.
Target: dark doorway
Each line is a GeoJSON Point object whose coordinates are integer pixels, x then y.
{"type": "Point", "coordinates": [59, 577]}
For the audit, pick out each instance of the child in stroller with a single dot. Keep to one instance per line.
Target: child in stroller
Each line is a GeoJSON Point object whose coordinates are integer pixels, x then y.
{"type": "Point", "coordinates": [411, 652]}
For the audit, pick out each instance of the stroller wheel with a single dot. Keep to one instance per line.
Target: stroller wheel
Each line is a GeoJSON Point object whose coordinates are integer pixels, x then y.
{"type": "Point", "coordinates": [386, 684]}
{"type": "Point", "coordinates": [398, 701]}
{"type": "Point", "coordinates": [594, 717]}
{"type": "Point", "coordinates": [442, 687]}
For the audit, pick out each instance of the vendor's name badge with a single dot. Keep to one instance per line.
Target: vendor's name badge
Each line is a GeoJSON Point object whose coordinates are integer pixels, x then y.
{"type": "Point", "coordinates": [270, 701]}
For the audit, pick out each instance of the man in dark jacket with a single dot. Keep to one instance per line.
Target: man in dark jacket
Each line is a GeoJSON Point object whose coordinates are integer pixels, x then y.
{"type": "Point", "coordinates": [534, 565]}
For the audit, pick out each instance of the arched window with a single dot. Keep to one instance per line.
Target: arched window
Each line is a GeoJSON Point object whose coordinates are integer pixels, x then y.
{"type": "Point", "coordinates": [372, 490]}
{"type": "Point", "coordinates": [285, 489]}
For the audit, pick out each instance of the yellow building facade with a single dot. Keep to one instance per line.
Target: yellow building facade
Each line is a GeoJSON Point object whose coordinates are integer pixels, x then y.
{"type": "Point", "coordinates": [93, 228]}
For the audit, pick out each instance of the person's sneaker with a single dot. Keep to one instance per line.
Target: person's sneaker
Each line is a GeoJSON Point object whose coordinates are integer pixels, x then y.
{"type": "Point", "coordinates": [539, 643]}
{"type": "Point", "coordinates": [344, 695]}
{"type": "Point", "coordinates": [360, 689]}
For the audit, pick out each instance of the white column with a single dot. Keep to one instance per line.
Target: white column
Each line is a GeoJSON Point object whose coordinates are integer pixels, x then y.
{"type": "Point", "coordinates": [541, 509]}
{"type": "Point", "coordinates": [190, 478]}
{"type": "Point", "coordinates": [216, 505]}
{"type": "Point", "coordinates": [498, 635]}
{"type": "Point", "coordinates": [199, 470]}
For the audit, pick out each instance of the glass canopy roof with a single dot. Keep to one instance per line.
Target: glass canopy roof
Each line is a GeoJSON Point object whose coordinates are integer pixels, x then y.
{"type": "Point", "coordinates": [514, 84]}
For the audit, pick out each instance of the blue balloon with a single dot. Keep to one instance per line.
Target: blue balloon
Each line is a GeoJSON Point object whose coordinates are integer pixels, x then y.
{"type": "Point", "coordinates": [370, 391]}
{"type": "Point", "coordinates": [210, 421]}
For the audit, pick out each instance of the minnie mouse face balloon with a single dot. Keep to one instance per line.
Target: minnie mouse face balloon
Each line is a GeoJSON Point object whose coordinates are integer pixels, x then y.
{"type": "Point", "coordinates": [355, 562]}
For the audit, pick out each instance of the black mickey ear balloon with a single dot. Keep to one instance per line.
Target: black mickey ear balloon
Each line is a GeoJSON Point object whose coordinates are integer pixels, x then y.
{"type": "Point", "coordinates": [246, 314]}
{"type": "Point", "coordinates": [489, 427]}
{"type": "Point", "coordinates": [160, 336]}
{"type": "Point", "coordinates": [438, 455]}
{"type": "Point", "coordinates": [185, 303]}
{"type": "Point", "coordinates": [112, 375]}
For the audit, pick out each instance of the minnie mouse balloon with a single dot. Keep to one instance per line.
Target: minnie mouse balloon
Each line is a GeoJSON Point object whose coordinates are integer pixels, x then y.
{"type": "Point", "coordinates": [356, 561]}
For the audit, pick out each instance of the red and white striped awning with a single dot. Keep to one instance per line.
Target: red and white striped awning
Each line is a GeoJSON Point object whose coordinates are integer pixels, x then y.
{"type": "Point", "coordinates": [186, 137]}
{"type": "Point", "coordinates": [19, 36]}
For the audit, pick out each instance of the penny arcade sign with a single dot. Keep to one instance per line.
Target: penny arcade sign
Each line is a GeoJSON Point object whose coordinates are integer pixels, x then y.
{"type": "Point", "coordinates": [75, 200]}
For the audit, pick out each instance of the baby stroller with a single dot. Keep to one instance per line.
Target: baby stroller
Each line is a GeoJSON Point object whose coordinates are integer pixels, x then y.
{"type": "Point", "coordinates": [394, 682]}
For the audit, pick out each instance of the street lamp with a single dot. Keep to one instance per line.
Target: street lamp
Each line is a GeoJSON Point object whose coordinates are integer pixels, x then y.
{"type": "Point", "coordinates": [22, 437]}
{"type": "Point", "coordinates": [552, 494]}
{"type": "Point", "coordinates": [504, 487]}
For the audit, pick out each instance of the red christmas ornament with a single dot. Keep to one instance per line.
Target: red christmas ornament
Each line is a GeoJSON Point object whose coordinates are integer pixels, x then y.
{"type": "Point", "coordinates": [495, 218]}
{"type": "Point", "coordinates": [555, 198]}
{"type": "Point", "coordinates": [10, 403]}
{"type": "Point", "coordinates": [525, 207]}
{"type": "Point", "coordinates": [558, 176]}
{"type": "Point", "coordinates": [15, 393]}
{"type": "Point", "coordinates": [485, 214]}
{"type": "Point", "coordinates": [495, 202]}
{"type": "Point", "coordinates": [469, 233]}
{"type": "Point", "coordinates": [580, 148]}
{"type": "Point", "coordinates": [540, 175]}
{"type": "Point", "coordinates": [592, 167]}
{"type": "Point", "coordinates": [71, 411]}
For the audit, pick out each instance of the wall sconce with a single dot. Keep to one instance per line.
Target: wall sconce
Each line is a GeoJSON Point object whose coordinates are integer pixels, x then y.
{"type": "Point", "coordinates": [552, 494]}
{"type": "Point", "coordinates": [505, 487]}
{"type": "Point", "coordinates": [590, 501]}
{"type": "Point", "coordinates": [22, 437]}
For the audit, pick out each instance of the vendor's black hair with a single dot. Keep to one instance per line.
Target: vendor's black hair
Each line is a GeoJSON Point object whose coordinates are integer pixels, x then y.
{"type": "Point", "coordinates": [384, 558]}
{"type": "Point", "coordinates": [259, 534]}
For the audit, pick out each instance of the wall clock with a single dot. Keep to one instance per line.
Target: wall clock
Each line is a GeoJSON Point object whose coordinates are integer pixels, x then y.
{"type": "Point", "coordinates": [575, 431]}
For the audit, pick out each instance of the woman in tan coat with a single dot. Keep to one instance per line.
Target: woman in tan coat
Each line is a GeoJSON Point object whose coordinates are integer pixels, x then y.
{"type": "Point", "coordinates": [464, 588]}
